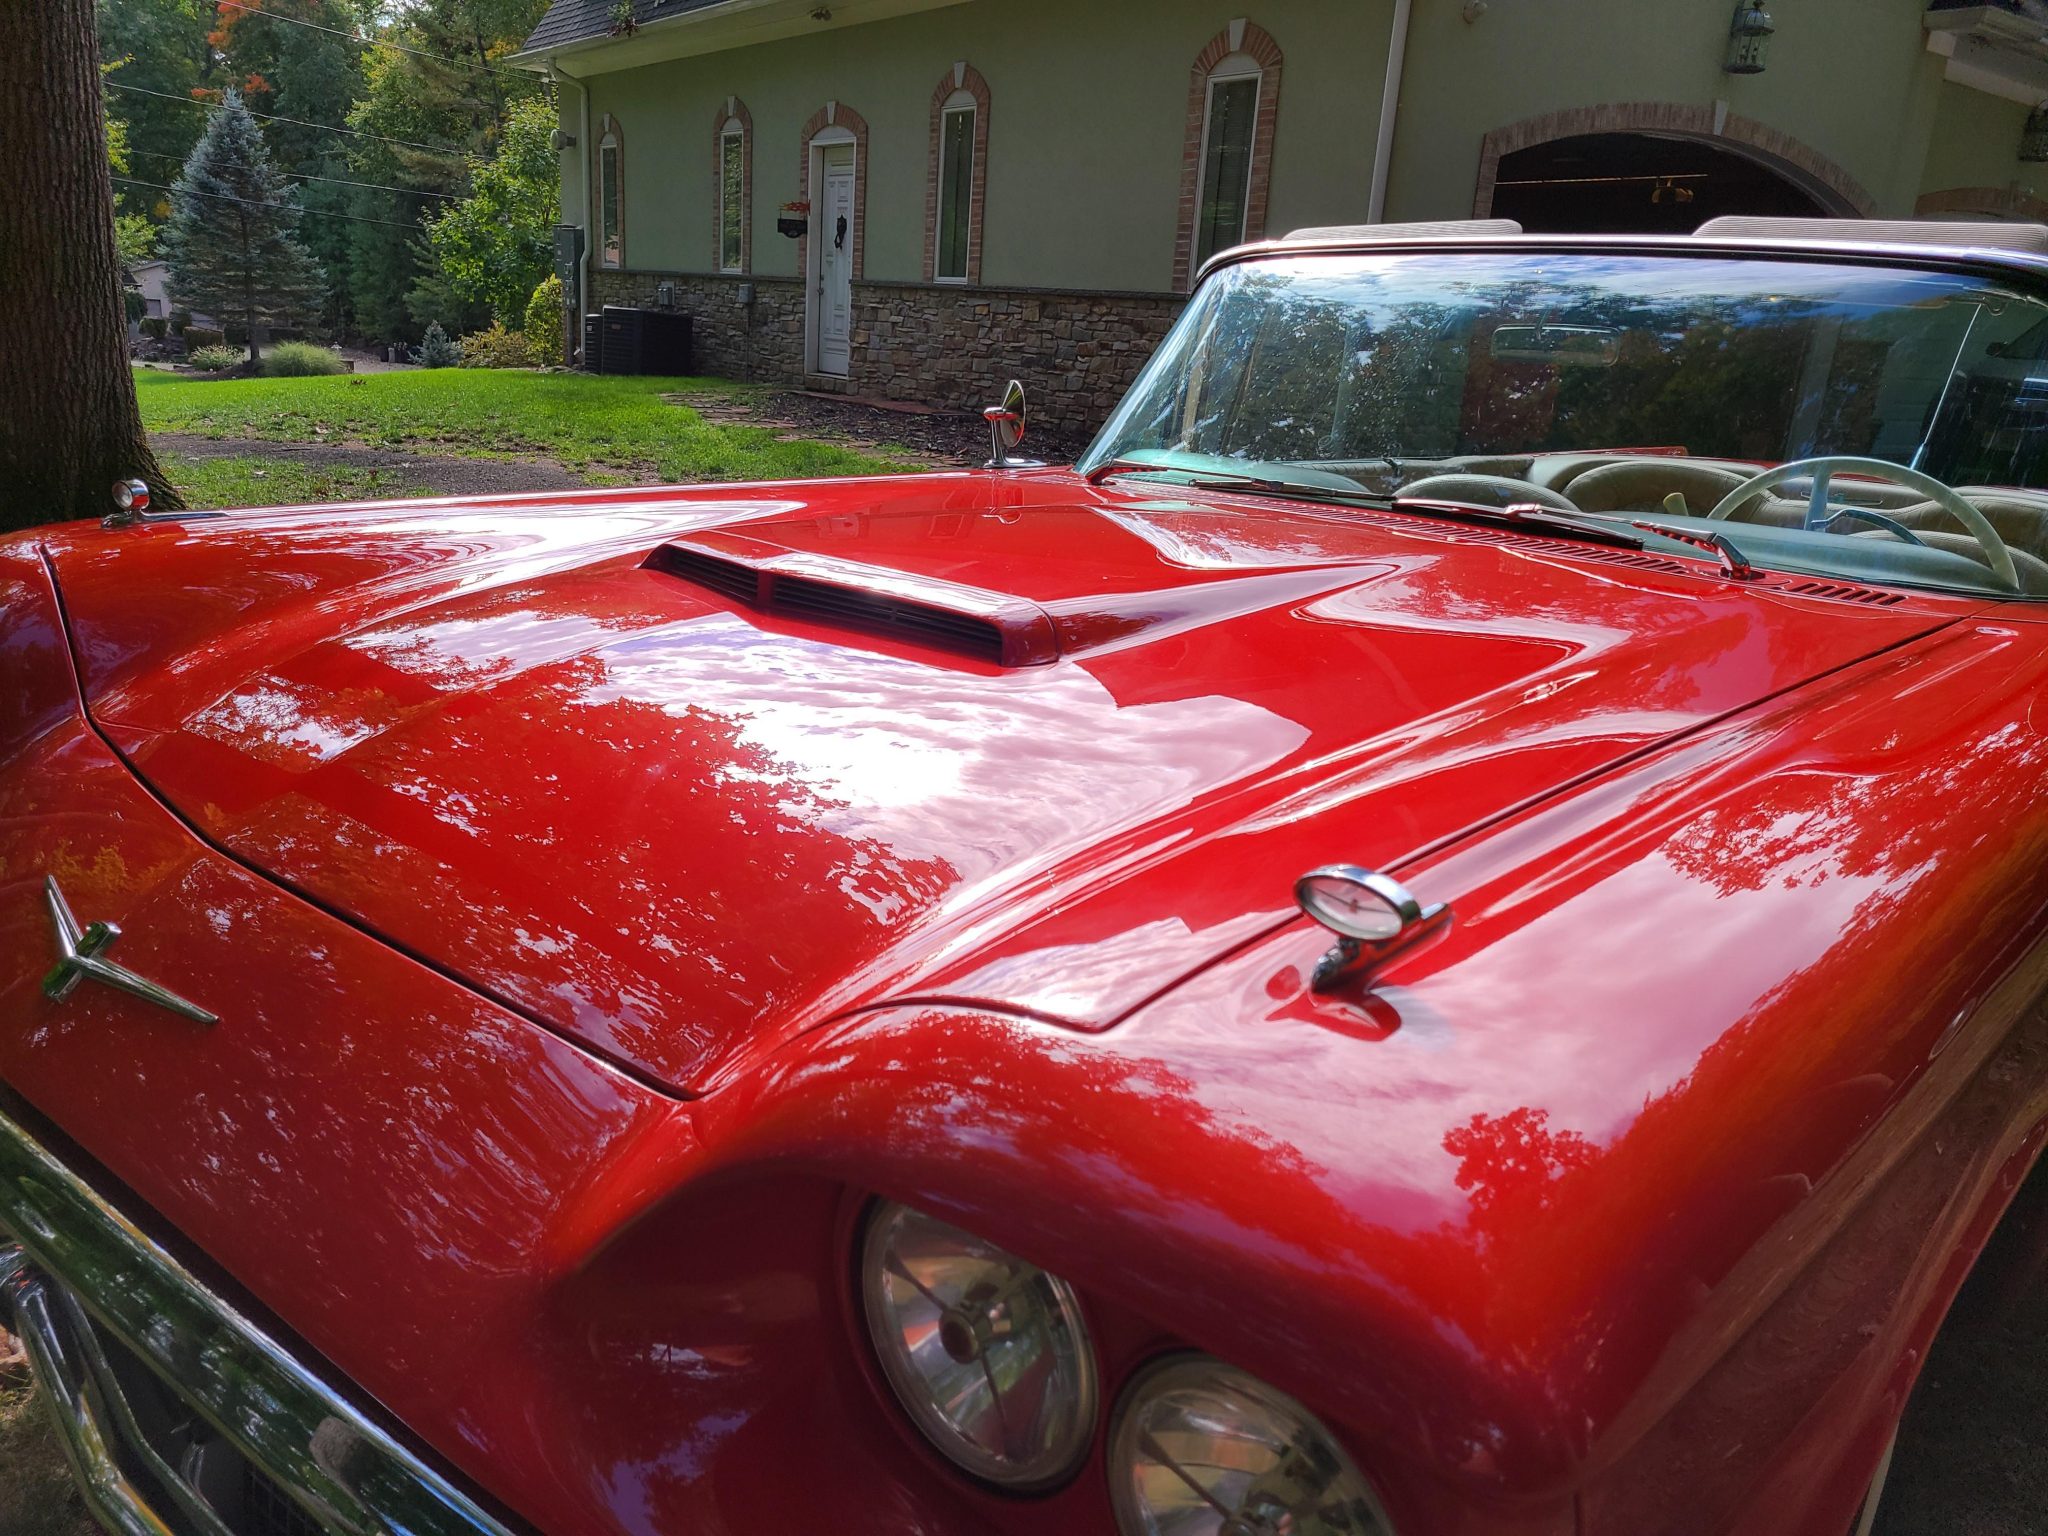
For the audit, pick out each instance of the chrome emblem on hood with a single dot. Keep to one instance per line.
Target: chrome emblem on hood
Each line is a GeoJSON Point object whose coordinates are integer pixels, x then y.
{"type": "Point", "coordinates": [78, 957]}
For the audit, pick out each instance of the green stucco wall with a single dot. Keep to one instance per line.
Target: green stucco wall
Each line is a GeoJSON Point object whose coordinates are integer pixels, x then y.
{"type": "Point", "coordinates": [1088, 116]}
{"type": "Point", "coordinates": [1089, 103]}
{"type": "Point", "coordinates": [1849, 78]}
{"type": "Point", "coordinates": [1976, 143]}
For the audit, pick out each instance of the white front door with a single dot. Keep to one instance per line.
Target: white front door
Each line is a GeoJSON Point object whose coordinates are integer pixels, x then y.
{"type": "Point", "coordinates": [833, 294]}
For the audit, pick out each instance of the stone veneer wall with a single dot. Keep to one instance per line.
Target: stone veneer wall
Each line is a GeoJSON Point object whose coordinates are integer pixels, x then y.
{"type": "Point", "coordinates": [935, 344]}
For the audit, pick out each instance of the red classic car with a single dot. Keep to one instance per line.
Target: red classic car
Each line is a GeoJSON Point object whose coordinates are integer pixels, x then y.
{"type": "Point", "coordinates": [1446, 935]}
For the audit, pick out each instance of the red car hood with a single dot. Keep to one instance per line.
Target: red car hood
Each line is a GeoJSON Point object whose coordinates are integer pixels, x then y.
{"type": "Point", "coordinates": [1030, 742]}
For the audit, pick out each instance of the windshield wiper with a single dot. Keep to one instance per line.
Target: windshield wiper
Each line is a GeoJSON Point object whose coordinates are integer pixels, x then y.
{"type": "Point", "coordinates": [1735, 564]}
{"type": "Point", "coordinates": [1533, 516]}
{"type": "Point", "coordinates": [1530, 515]}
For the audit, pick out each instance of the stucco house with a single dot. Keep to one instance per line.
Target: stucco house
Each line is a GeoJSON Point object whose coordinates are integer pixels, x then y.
{"type": "Point", "coordinates": [920, 198]}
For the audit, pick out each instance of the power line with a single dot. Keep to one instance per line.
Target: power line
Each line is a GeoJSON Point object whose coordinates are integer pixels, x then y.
{"type": "Point", "coordinates": [218, 106]}
{"type": "Point", "coordinates": [379, 42]}
{"type": "Point", "coordinates": [339, 181]}
{"type": "Point", "coordinates": [318, 213]}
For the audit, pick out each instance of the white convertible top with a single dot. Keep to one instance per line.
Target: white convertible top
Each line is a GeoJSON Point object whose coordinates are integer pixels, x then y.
{"type": "Point", "coordinates": [2031, 238]}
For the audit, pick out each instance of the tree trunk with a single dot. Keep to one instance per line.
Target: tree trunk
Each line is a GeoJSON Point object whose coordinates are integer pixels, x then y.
{"type": "Point", "coordinates": [69, 425]}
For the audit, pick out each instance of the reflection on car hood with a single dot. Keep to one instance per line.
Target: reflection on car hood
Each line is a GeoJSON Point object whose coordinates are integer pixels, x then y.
{"type": "Point", "coordinates": [679, 827]}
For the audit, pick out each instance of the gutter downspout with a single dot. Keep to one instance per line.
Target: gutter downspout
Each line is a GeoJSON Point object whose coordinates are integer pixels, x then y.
{"type": "Point", "coordinates": [555, 74]}
{"type": "Point", "coordinates": [1390, 107]}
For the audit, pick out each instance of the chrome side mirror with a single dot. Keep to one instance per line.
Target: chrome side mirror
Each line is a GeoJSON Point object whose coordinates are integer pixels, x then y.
{"type": "Point", "coordinates": [1374, 917]}
{"type": "Point", "coordinates": [1006, 429]}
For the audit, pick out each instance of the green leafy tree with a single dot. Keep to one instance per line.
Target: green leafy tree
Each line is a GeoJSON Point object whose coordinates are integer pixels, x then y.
{"type": "Point", "coordinates": [493, 245]}
{"type": "Point", "coordinates": [232, 241]}
{"type": "Point", "coordinates": [134, 235]}
{"type": "Point", "coordinates": [446, 101]}
{"type": "Point", "coordinates": [161, 47]}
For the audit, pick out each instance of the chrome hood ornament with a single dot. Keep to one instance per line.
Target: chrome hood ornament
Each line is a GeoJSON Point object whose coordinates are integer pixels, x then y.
{"type": "Point", "coordinates": [78, 958]}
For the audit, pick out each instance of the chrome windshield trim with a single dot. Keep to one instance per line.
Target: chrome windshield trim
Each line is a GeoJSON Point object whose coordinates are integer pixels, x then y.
{"type": "Point", "coordinates": [348, 1474]}
{"type": "Point", "coordinates": [2023, 267]}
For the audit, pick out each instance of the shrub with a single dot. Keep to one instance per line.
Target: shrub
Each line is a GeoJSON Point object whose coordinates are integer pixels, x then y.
{"type": "Point", "coordinates": [200, 335]}
{"type": "Point", "coordinates": [154, 326]}
{"type": "Point", "coordinates": [180, 318]}
{"type": "Point", "coordinates": [495, 348]}
{"type": "Point", "coordinates": [300, 360]}
{"type": "Point", "coordinates": [133, 305]}
{"type": "Point", "coordinates": [543, 323]}
{"type": "Point", "coordinates": [436, 350]}
{"type": "Point", "coordinates": [216, 359]}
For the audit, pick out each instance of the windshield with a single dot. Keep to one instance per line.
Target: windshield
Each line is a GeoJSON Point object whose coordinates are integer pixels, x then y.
{"type": "Point", "coordinates": [1633, 387]}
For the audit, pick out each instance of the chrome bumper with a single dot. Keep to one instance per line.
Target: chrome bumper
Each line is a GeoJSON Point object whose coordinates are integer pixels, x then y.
{"type": "Point", "coordinates": [112, 1324]}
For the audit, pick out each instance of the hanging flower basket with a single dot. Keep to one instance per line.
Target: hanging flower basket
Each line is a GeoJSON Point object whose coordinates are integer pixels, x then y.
{"type": "Point", "coordinates": [794, 219]}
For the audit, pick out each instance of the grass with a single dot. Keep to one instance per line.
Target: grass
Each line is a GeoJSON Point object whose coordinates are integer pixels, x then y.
{"type": "Point", "coordinates": [36, 1496]}
{"type": "Point", "coordinates": [251, 482]}
{"type": "Point", "coordinates": [583, 421]}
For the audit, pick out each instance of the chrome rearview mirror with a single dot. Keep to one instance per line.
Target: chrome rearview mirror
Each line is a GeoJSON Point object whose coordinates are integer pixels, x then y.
{"type": "Point", "coordinates": [1006, 429]}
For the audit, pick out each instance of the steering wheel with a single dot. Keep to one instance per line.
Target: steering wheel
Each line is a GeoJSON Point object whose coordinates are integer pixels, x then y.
{"type": "Point", "coordinates": [1818, 513]}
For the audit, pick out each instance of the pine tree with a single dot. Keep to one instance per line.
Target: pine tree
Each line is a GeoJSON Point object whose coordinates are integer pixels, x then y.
{"type": "Point", "coordinates": [232, 241]}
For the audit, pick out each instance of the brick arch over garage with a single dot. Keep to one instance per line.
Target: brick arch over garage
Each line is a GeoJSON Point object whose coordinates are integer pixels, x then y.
{"type": "Point", "coordinates": [1797, 162]}
{"type": "Point", "coordinates": [1991, 202]}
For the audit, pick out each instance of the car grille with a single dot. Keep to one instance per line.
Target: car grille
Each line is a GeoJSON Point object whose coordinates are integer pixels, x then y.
{"type": "Point", "coordinates": [177, 1413]}
{"type": "Point", "coordinates": [196, 1482]}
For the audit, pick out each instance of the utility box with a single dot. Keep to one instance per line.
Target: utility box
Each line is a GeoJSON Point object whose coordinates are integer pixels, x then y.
{"type": "Point", "coordinates": [593, 344]}
{"type": "Point", "coordinates": [568, 255]}
{"type": "Point", "coordinates": [645, 341]}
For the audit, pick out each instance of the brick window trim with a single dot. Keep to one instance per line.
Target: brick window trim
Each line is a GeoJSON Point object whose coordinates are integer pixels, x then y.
{"type": "Point", "coordinates": [1996, 202]}
{"type": "Point", "coordinates": [607, 127]}
{"type": "Point", "coordinates": [835, 114]}
{"type": "Point", "coordinates": [731, 110]}
{"type": "Point", "coordinates": [1798, 162]}
{"type": "Point", "coordinates": [961, 77]}
{"type": "Point", "coordinates": [1253, 40]}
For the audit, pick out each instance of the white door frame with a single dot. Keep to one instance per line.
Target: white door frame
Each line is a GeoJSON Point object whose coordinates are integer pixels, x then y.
{"type": "Point", "coordinates": [831, 137]}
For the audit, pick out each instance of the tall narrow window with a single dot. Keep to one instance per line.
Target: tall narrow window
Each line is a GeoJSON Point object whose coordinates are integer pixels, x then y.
{"type": "Point", "coordinates": [1226, 169]}
{"type": "Point", "coordinates": [956, 188]}
{"type": "Point", "coordinates": [611, 212]}
{"type": "Point", "coordinates": [1227, 160]}
{"type": "Point", "coordinates": [732, 179]}
{"type": "Point", "coordinates": [732, 186]}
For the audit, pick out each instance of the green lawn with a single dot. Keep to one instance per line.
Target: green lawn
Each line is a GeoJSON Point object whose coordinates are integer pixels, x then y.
{"type": "Point", "coordinates": [618, 428]}
{"type": "Point", "coordinates": [246, 481]}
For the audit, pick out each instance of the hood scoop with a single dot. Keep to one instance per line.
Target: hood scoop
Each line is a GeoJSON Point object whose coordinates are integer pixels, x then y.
{"type": "Point", "coordinates": [994, 628]}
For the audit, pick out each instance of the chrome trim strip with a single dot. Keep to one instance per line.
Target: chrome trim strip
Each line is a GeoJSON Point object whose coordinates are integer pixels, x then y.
{"type": "Point", "coordinates": [81, 1338]}
{"type": "Point", "coordinates": [347, 1473]}
{"type": "Point", "coordinates": [109, 1497]}
{"type": "Point", "coordinates": [1970, 259]}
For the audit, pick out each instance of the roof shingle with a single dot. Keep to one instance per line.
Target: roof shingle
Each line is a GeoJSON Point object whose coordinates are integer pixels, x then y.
{"type": "Point", "coordinates": [574, 21]}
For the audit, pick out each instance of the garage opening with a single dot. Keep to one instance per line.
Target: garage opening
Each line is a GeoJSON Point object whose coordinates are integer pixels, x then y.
{"type": "Point", "coordinates": [1641, 183]}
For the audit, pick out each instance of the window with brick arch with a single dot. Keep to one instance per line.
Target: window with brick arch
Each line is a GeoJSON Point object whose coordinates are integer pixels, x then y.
{"type": "Point", "coordinates": [732, 185]}
{"type": "Point", "coordinates": [957, 180]}
{"type": "Point", "coordinates": [1226, 170]}
{"type": "Point", "coordinates": [956, 186]}
{"type": "Point", "coordinates": [1229, 126]}
{"type": "Point", "coordinates": [611, 197]}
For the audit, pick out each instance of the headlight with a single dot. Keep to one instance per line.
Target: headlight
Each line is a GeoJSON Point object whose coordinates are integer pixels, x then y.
{"type": "Point", "coordinates": [1203, 1449]}
{"type": "Point", "coordinates": [988, 1353]}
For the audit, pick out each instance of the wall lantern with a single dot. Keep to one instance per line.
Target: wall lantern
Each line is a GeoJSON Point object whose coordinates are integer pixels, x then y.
{"type": "Point", "coordinates": [1749, 37]}
{"type": "Point", "coordinates": [2034, 136]}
